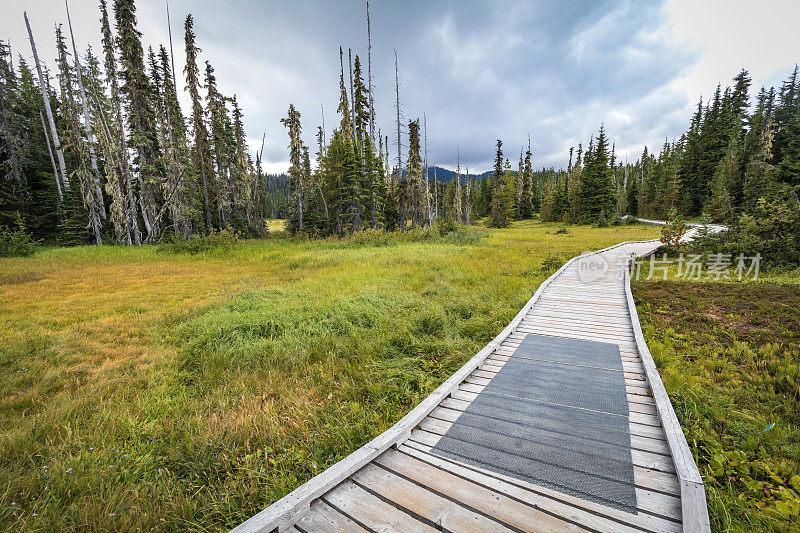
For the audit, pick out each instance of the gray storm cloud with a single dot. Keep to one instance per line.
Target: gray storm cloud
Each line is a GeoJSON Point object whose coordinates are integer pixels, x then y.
{"type": "Point", "coordinates": [479, 70]}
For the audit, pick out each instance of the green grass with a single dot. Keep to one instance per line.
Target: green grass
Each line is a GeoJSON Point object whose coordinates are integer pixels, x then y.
{"type": "Point", "coordinates": [149, 388]}
{"type": "Point", "coordinates": [728, 354]}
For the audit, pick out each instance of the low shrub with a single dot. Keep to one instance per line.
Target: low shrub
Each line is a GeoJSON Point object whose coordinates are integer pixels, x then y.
{"type": "Point", "coordinates": [552, 263]}
{"type": "Point", "coordinates": [215, 241]}
{"type": "Point", "coordinates": [673, 231]}
{"type": "Point", "coordinates": [446, 231]}
{"type": "Point", "coordinates": [16, 244]}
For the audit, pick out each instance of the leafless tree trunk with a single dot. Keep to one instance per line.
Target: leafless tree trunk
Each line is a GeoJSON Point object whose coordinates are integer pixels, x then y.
{"type": "Point", "coordinates": [171, 53]}
{"type": "Point", "coordinates": [402, 207]}
{"type": "Point", "coordinates": [427, 180]}
{"type": "Point", "coordinates": [52, 159]}
{"type": "Point", "coordinates": [97, 203]}
{"type": "Point", "coordinates": [46, 97]}
{"type": "Point", "coordinates": [369, 81]}
{"type": "Point", "coordinates": [352, 98]}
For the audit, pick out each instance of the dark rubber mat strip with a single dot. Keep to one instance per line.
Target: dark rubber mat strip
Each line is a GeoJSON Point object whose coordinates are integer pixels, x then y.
{"type": "Point", "coordinates": [561, 426]}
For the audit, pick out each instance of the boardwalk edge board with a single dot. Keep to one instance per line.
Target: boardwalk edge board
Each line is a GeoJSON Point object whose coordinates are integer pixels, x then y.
{"type": "Point", "coordinates": [281, 515]}
{"type": "Point", "coordinates": [694, 509]}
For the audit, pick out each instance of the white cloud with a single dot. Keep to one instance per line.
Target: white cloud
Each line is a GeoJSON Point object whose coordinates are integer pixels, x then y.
{"type": "Point", "coordinates": [761, 37]}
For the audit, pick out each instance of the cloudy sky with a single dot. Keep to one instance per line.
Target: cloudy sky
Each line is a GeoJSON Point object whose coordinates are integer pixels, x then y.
{"type": "Point", "coordinates": [479, 70]}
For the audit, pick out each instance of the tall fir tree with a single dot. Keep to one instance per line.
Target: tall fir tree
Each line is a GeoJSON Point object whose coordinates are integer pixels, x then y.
{"type": "Point", "coordinates": [498, 219]}
{"type": "Point", "coordinates": [143, 139]}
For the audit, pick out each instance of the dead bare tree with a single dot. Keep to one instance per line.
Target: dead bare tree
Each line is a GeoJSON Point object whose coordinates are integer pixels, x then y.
{"type": "Point", "coordinates": [46, 97]}
{"type": "Point", "coordinates": [352, 98]}
{"type": "Point", "coordinates": [171, 53]}
{"type": "Point", "coordinates": [399, 181]}
{"type": "Point", "coordinates": [52, 159]}
{"type": "Point", "coordinates": [369, 81]}
{"type": "Point", "coordinates": [427, 180]}
{"type": "Point", "coordinates": [96, 203]}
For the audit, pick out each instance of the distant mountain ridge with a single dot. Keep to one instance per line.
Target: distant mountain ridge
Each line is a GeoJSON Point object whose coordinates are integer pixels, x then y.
{"type": "Point", "coordinates": [445, 175]}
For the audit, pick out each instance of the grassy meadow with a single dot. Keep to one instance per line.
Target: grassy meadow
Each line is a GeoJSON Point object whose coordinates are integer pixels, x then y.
{"type": "Point", "coordinates": [150, 389]}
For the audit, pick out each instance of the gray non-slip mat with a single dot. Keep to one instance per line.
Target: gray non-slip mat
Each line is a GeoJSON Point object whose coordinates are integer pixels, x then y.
{"type": "Point", "coordinates": [553, 424]}
{"type": "Point", "coordinates": [574, 386]}
{"type": "Point", "coordinates": [559, 349]}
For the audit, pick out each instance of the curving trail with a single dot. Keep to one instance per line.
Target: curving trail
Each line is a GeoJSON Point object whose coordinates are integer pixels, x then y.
{"type": "Point", "coordinates": [560, 423]}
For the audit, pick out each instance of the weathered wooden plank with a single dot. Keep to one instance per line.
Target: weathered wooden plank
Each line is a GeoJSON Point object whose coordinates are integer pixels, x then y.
{"type": "Point", "coordinates": [658, 512]}
{"type": "Point", "coordinates": [487, 501]}
{"type": "Point", "coordinates": [541, 313]}
{"type": "Point", "coordinates": [580, 325]}
{"type": "Point", "coordinates": [324, 518]}
{"type": "Point", "coordinates": [371, 511]}
{"type": "Point", "coordinates": [437, 511]}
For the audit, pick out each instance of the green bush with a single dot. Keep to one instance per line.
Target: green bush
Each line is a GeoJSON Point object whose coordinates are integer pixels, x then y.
{"type": "Point", "coordinates": [447, 231]}
{"type": "Point", "coordinates": [16, 244]}
{"type": "Point", "coordinates": [772, 230]}
{"type": "Point", "coordinates": [215, 241]}
{"type": "Point", "coordinates": [448, 225]}
{"type": "Point", "coordinates": [673, 231]}
{"type": "Point", "coordinates": [551, 263]}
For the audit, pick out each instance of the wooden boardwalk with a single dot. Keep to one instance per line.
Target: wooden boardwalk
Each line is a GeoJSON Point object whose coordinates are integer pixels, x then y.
{"type": "Point", "coordinates": [400, 481]}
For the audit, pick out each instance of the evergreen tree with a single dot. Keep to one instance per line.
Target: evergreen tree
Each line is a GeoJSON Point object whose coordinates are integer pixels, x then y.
{"type": "Point", "coordinates": [632, 193]}
{"type": "Point", "coordinates": [12, 180]}
{"type": "Point", "coordinates": [789, 168]}
{"type": "Point", "coordinates": [498, 219]}
{"type": "Point", "coordinates": [119, 184]}
{"type": "Point", "coordinates": [200, 152]}
{"type": "Point", "coordinates": [528, 203]}
{"type": "Point", "coordinates": [177, 187]}
{"type": "Point", "coordinates": [597, 188]}
{"type": "Point", "coordinates": [414, 184]}
{"type": "Point", "coordinates": [297, 169]}
{"type": "Point", "coordinates": [35, 202]}
{"type": "Point", "coordinates": [138, 93]}
{"type": "Point", "coordinates": [82, 176]}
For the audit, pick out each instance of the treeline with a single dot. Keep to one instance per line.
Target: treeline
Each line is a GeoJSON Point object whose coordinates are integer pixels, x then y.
{"type": "Point", "coordinates": [732, 162]}
{"type": "Point", "coordinates": [353, 186]}
{"type": "Point", "coordinates": [100, 151]}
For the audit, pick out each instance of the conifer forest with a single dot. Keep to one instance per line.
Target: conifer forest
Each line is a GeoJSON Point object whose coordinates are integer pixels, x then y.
{"type": "Point", "coordinates": [97, 149]}
{"type": "Point", "coordinates": [265, 266]}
